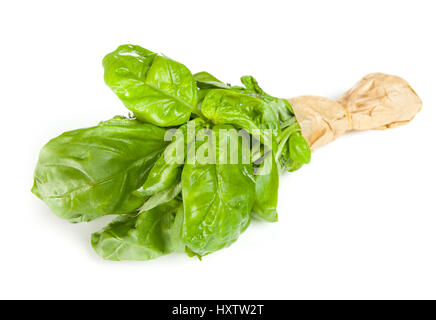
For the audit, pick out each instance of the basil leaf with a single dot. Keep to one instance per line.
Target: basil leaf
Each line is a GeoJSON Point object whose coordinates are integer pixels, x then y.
{"type": "Point", "coordinates": [243, 111]}
{"type": "Point", "coordinates": [299, 150]}
{"type": "Point", "coordinates": [267, 185]}
{"type": "Point", "coordinates": [142, 236]}
{"type": "Point", "coordinates": [282, 107]}
{"type": "Point", "coordinates": [87, 173]}
{"type": "Point", "coordinates": [293, 166]}
{"type": "Point", "coordinates": [167, 169]}
{"type": "Point", "coordinates": [217, 200]}
{"type": "Point", "coordinates": [162, 197]}
{"type": "Point", "coordinates": [155, 88]}
{"type": "Point", "coordinates": [207, 81]}
{"type": "Point", "coordinates": [164, 174]}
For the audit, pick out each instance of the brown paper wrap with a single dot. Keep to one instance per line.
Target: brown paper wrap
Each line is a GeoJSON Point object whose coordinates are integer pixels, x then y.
{"type": "Point", "coordinates": [377, 101]}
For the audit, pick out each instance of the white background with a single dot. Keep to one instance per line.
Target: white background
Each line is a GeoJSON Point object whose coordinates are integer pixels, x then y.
{"type": "Point", "coordinates": [358, 222]}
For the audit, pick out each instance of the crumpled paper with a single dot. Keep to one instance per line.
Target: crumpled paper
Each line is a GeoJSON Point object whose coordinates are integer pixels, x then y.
{"type": "Point", "coordinates": [377, 101]}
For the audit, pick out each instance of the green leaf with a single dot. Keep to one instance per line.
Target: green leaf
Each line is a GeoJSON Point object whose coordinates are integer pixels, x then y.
{"type": "Point", "coordinates": [155, 88]}
{"type": "Point", "coordinates": [267, 185]}
{"type": "Point", "coordinates": [282, 107]}
{"type": "Point", "coordinates": [87, 173]}
{"type": "Point", "coordinates": [167, 169]}
{"type": "Point", "coordinates": [293, 150]}
{"type": "Point", "coordinates": [243, 111]}
{"type": "Point", "coordinates": [162, 197]}
{"type": "Point", "coordinates": [293, 166]}
{"type": "Point", "coordinates": [164, 174]}
{"type": "Point", "coordinates": [207, 81]}
{"type": "Point", "coordinates": [217, 200]}
{"type": "Point", "coordinates": [299, 150]}
{"type": "Point", "coordinates": [144, 236]}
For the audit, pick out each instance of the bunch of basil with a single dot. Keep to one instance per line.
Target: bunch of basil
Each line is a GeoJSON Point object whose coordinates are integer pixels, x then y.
{"type": "Point", "coordinates": [119, 167]}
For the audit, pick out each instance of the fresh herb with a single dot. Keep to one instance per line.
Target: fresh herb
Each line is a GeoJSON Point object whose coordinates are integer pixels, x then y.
{"type": "Point", "coordinates": [194, 191]}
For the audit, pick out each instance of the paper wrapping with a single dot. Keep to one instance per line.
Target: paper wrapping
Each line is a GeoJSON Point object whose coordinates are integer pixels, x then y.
{"type": "Point", "coordinates": [377, 101]}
